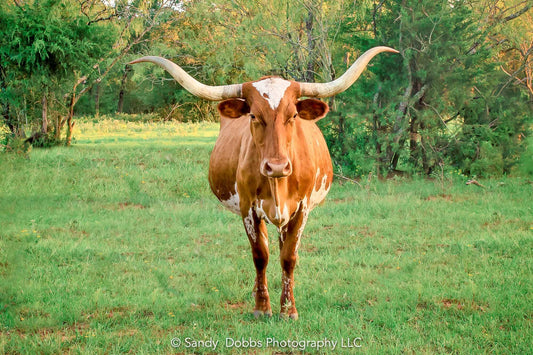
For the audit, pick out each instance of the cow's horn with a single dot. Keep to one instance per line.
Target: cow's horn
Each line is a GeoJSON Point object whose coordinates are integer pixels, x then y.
{"type": "Point", "coordinates": [213, 93]}
{"type": "Point", "coordinates": [346, 80]}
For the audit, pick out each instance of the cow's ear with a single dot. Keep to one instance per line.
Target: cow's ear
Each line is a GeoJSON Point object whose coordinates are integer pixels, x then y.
{"type": "Point", "coordinates": [233, 108]}
{"type": "Point", "coordinates": [312, 109]}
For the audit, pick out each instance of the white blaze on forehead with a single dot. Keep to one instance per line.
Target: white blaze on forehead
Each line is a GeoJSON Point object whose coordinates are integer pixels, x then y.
{"type": "Point", "coordinates": [272, 90]}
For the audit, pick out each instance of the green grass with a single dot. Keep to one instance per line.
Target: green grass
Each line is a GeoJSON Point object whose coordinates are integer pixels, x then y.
{"type": "Point", "coordinates": [117, 245]}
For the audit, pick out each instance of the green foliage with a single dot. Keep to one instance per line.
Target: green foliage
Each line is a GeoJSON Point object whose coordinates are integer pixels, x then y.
{"type": "Point", "coordinates": [17, 146]}
{"type": "Point", "coordinates": [489, 163]}
{"type": "Point", "coordinates": [526, 160]}
{"type": "Point", "coordinates": [443, 100]}
{"type": "Point", "coordinates": [48, 38]}
{"type": "Point", "coordinates": [44, 48]}
{"type": "Point", "coordinates": [456, 94]}
{"type": "Point", "coordinates": [5, 133]}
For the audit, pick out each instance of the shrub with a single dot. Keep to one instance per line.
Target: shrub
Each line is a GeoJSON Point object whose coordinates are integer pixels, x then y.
{"type": "Point", "coordinates": [4, 135]}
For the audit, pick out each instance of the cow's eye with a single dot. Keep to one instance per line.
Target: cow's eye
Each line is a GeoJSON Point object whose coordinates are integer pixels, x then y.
{"type": "Point", "coordinates": [256, 120]}
{"type": "Point", "coordinates": [290, 119]}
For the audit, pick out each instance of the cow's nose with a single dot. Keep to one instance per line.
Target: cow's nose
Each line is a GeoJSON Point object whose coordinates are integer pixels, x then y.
{"type": "Point", "coordinates": [276, 168]}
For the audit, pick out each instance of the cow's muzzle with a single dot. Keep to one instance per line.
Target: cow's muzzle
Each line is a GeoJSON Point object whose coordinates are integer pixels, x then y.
{"type": "Point", "coordinates": [276, 168]}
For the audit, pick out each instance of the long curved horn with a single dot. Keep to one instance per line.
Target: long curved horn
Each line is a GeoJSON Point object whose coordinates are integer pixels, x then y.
{"type": "Point", "coordinates": [346, 80]}
{"type": "Point", "coordinates": [213, 93]}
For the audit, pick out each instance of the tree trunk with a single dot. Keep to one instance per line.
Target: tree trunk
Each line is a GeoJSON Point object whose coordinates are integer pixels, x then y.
{"type": "Point", "coordinates": [5, 106]}
{"type": "Point", "coordinates": [380, 162]}
{"type": "Point", "coordinates": [413, 139]}
{"type": "Point", "coordinates": [122, 91]}
{"type": "Point", "coordinates": [7, 118]}
{"type": "Point", "coordinates": [394, 147]}
{"type": "Point", "coordinates": [417, 150]}
{"type": "Point", "coordinates": [310, 73]}
{"type": "Point", "coordinates": [377, 130]}
{"type": "Point", "coordinates": [44, 103]}
{"type": "Point", "coordinates": [425, 161]}
{"type": "Point", "coordinates": [70, 121]}
{"type": "Point", "coordinates": [97, 99]}
{"type": "Point", "coordinates": [57, 128]}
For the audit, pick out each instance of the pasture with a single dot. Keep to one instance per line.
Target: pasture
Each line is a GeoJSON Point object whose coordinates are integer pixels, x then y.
{"type": "Point", "coordinates": [116, 244]}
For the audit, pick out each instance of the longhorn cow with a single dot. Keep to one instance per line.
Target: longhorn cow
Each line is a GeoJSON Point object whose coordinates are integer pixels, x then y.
{"type": "Point", "coordinates": [270, 163]}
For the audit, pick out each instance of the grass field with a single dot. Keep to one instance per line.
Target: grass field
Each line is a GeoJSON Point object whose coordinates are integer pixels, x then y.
{"type": "Point", "coordinates": [117, 245]}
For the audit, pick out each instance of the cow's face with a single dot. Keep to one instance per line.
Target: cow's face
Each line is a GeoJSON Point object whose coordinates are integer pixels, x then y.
{"type": "Point", "coordinates": [273, 108]}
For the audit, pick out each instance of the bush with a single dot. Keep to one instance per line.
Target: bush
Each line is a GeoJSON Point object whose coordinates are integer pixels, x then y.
{"type": "Point", "coordinates": [4, 135]}
{"type": "Point", "coordinates": [490, 162]}
{"type": "Point", "coordinates": [525, 165]}
{"type": "Point", "coordinates": [17, 146]}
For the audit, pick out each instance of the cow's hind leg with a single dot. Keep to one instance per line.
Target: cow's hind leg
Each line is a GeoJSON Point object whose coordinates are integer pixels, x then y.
{"type": "Point", "coordinates": [258, 237]}
{"type": "Point", "coordinates": [289, 241]}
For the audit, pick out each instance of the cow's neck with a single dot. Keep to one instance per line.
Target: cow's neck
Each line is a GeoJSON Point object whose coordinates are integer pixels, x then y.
{"type": "Point", "coordinates": [278, 191]}
{"type": "Point", "coordinates": [274, 190]}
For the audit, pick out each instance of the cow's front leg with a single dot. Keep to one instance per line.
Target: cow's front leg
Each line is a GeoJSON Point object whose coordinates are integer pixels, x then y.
{"type": "Point", "coordinates": [258, 237]}
{"type": "Point", "coordinates": [289, 241]}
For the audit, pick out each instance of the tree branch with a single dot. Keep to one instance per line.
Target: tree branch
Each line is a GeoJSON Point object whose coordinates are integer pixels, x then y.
{"type": "Point", "coordinates": [375, 12]}
{"type": "Point", "coordinates": [518, 13]}
{"type": "Point", "coordinates": [17, 4]}
{"type": "Point", "coordinates": [86, 6]}
{"type": "Point", "coordinates": [513, 75]}
{"type": "Point", "coordinates": [347, 179]}
{"type": "Point", "coordinates": [475, 182]}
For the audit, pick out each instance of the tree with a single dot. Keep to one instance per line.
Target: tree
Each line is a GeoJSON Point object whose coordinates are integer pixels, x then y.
{"type": "Point", "coordinates": [44, 45]}
{"type": "Point", "coordinates": [235, 41]}
{"type": "Point", "coordinates": [59, 49]}
{"type": "Point", "coordinates": [442, 104]}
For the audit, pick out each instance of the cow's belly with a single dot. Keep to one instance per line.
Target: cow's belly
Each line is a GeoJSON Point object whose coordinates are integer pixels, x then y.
{"type": "Point", "coordinates": [223, 167]}
{"type": "Point", "coordinates": [232, 203]}
{"type": "Point", "coordinates": [320, 189]}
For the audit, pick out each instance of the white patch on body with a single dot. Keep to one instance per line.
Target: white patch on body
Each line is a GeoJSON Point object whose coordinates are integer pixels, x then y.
{"type": "Point", "coordinates": [233, 203]}
{"type": "Point", "coordinates": [287, 282]}
{"type": "Point", "coordinates": [305, 212]}
{"type": "Point", "coordinates": [262, 215]}
{"type": "Point", "coordinates": [249, 225]}
{"type": "Point", "coordinates": [319, 192]}
{"type": "Point", "coordinates": [286, 285]}
{"type": "Point", "coordinates": [272, 90]}
{"type": "Point", "coordinates": [282, 216]}
{"type": "Point", "coordinates": [261, 212]}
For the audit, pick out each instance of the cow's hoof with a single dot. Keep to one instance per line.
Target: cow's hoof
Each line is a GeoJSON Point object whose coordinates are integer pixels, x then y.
{"type": "Point", "coordinates": [292, 316]}
{"type": "Point", "coordinates": [258, 313]}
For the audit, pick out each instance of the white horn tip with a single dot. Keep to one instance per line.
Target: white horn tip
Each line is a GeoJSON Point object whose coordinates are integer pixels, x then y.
{"type": "Point", "coordinates": [136, 61]}
{"type": "Point", "coordinates": [388, 49]}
